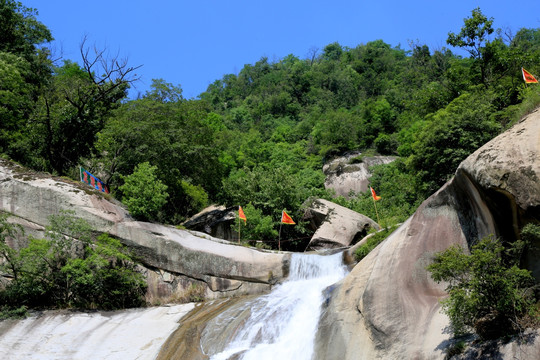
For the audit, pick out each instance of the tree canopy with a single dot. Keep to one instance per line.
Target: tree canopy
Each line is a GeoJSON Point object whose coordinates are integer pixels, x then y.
{"type": "Point", "coordinates": [261, 136]}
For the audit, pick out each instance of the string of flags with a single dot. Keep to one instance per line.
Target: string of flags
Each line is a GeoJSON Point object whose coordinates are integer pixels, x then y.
{"type": "Point", "coordinates": [88, 178]}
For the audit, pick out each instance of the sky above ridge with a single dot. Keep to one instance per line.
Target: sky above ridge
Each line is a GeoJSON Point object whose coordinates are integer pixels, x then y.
{"type": "Point", "coordinates": [194, 43]}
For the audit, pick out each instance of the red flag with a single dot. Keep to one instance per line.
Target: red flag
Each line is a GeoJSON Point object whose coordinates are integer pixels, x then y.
{"type": "Point", "coordinates": [375, 197]}
{"type": "Point", "coordinates": [286, 219]}
{"type": "Point", "coordinates": [528, 77]}
{"type": "Point", "coordinates": [241, 214]}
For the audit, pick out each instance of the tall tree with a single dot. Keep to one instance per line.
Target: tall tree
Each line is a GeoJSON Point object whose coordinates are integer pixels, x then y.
{"type": "Point", "coordinates": [24, 67]}
{"type": "Point", "coordinates": [74, 107]}
{"type": "Point", "coordinates": [473, 37]}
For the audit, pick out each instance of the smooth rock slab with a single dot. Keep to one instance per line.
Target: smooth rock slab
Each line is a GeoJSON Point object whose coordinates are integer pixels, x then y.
{"type": "Point", "coordinates": [119, 335]}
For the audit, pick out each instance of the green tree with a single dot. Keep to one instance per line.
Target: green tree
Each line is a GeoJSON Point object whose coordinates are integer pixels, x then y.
{"type": "Point", "coordinates": [487, 289]}
{"type": "Point", "coordinates": [258, 227]}
{"type": "Point", "coordinates": [450, 135]}
{"type": "Point", "coordinates": [74, 108]}
{"type": "Point", "coordinates": [24, 68]}
{"type": "Point", "coordinates": [143, 193]}
{"type": "Point", "coordinates": [473, 37]}
{"type": "Point", "coordinates": [9, 231]}
{"type": "Point", "coordinates": [177, 137]}
{"type": "Point", "coordinates": [70, 268]}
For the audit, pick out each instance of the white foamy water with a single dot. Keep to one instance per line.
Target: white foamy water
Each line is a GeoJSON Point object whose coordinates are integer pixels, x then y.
{"type": "Point", "coordinates": [283, 324]}
{"type": "Point", "coordinates": [119, 335]}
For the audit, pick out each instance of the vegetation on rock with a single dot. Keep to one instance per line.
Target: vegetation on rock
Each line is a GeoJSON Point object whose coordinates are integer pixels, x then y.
{"type": "Point", "coordinates": [489, 294]}
{"type": "Point", "coordinates": [70, 267]}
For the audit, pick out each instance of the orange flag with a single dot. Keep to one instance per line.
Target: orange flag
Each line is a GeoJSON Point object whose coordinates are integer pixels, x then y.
{"type": "Point", "coordinates": [286, 219]}
{"type": "Point", "coordinates": [528, 77]}
{"type": "Point", "coordinates": [375, 197]}
{"type": "Point", "coordinates": [241, 214]}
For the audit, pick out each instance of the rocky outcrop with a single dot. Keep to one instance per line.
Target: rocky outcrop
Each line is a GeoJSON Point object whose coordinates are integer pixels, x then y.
{"type": "Point", "coordinates": [175, 259]}
{"type": "Point", "coordinates": [388, 306]}
{"type": "Point", "coordinates": [66, 335]}
{"type": "Point", "coordinates": [350, 173]}
{"type": "Point", "coordinates": [215, 221]}
{"type": "Point", "coordinates": [337, 226]}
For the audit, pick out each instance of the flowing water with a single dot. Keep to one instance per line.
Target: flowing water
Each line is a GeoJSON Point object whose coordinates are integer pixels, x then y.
{"type": "Point", "coordinates": [282, 324]}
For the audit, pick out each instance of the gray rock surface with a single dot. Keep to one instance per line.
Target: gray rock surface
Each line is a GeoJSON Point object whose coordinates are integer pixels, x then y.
{"type": "Point", "coordinates": [174, 258]}
{"type": "Point", "coordinates": [336, 225]}
{"type": "Point", "coordinates": [388, 306]}
{"type": "Point", "coordinates": [345, 176]}
{"type": "Point", "coordinates": [215, 221]}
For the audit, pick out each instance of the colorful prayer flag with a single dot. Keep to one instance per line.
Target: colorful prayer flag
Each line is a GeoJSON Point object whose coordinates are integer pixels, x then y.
{"type": "Point", "coordinates": [93, 181]}
{"type": "Point", "coordinates": [375, 197]}
{"type": "Point", "coordinates": [286, 219]}
{"type": "Point", "coordinates": [241, 214]}
{"type": "Point", "coordinates": [528, 77]}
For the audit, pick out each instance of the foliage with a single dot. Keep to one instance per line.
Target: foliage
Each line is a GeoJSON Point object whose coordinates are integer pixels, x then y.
{"type": "Point", "coordinates": [262, 136]}
{"type": "Point", "coordinates": [24, 68]}
{"type": "Point", "coordinates": [69, 268]}
{"type": "Point", "coordinates": [487, 290]}
{"type": "Point", "coordinates": [172, 134]}
{"type": "Point", "coordinates": [143, 193]}
{"type": "Point", "coordinates": [450, 135]}
{"type": "Point", "coordinates": [258, 227]}
{"type": "Point", "coordinates": [397, 188]}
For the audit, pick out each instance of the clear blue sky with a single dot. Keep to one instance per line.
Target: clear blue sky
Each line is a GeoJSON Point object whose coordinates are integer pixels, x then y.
{"type": "Point", "coordinates": [193, 43]}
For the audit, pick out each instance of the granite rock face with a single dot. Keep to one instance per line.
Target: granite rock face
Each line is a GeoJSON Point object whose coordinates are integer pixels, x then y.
{"type": "Point", "coordinates": [388, 306]}
{"type": "Point", "coordinates": [215, 221]}
{"type": "Point", "coordinates": [346, 174]}
{"type": "Point", "coordinates": [174, 259]}
{"type": "Point", "coordinates": [336, 225]}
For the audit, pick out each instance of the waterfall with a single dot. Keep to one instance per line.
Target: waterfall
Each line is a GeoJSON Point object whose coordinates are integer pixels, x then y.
{"type": "Point", "coordinates": [282, 324]}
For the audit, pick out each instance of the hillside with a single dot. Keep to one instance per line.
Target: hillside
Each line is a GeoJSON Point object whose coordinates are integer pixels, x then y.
{"type": "Point", "coordinates": [262, 136]}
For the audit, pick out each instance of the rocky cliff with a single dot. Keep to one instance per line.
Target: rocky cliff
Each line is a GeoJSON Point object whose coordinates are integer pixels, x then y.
{"type": "Point", "coordinates": [388, 306]}
{"type": "Point", "coordinates": [174, 259]}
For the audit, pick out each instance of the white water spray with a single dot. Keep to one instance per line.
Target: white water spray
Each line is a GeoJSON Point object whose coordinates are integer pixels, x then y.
{"type": "Point", "coordinates": [282, 325]}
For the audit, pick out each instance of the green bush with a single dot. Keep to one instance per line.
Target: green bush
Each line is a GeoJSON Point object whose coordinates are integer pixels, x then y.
{"type": "Point", "coordinates": [144, 193]}
{"type": "Point", "coordinates": [69, 268]}
{"type": "Point", "coordinates": [488, 292]}
{"type": "Point", "coordinates": [257, 227]}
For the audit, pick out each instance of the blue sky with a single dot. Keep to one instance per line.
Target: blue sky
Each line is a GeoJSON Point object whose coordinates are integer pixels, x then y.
{"type": "Point", "coordinates": [194, 43]}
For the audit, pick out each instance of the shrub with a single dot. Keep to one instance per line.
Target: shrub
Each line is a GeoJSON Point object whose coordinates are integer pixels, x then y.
{"type": "Point", "coordinates": [487, 290]}
{"type": "Point", "coordinates": [69, 268]}
{"type": "Point", "coordinates": [144, 193]}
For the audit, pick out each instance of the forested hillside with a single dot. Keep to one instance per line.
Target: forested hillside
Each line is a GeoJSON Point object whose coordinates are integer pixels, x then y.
{"type": "Point", "coordinates": [259, 138]}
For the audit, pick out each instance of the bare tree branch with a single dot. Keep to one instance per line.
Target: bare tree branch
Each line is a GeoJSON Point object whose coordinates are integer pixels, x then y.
{"type": "Point", "coordinates": [103, 69]}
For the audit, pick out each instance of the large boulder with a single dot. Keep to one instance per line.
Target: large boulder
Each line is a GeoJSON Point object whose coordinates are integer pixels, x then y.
{"type": "Point", "coordinates": [388, 306]}
{"type": "Point", "coordinates": [336, 225]}
{"type": "Point", "coordinates": [175, 259]}
{"type": "Point", "coordinates": [215, 221]}
{"type": "Point", "coordinates": [350, 173]}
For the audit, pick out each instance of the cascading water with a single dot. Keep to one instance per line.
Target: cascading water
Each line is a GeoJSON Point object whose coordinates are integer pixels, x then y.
{"type": "Point", "coordinates": [282, 324]}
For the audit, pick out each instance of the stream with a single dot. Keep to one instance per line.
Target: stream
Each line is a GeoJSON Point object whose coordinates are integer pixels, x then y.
{"type": "Point", "coordinates": [280, 325]}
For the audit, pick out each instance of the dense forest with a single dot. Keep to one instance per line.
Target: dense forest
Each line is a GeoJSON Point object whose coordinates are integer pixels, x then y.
{"type": "Point", "coordinates": [259, 138]}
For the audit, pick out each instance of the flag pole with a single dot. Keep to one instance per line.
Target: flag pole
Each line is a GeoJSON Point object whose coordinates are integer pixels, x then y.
{"type": "Point", "coordinates": [279, 238]}
{"type": "Point", "coordinates": [239, 229]}
{"type": "Point", "coordinates": [376, 212]}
